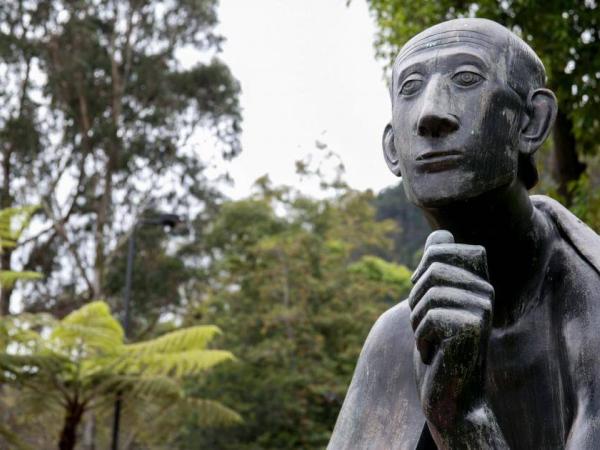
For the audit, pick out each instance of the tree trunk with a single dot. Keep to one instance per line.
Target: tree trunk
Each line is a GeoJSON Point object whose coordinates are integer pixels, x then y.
{"type": "Point", "coordinates": [565, 165]}
{"type": "Point", "coordinates": [6, 201]}
{"type": "Point", "coordinates": [68, 434]}
{"type": "Point", "coordinates": [5, 292]}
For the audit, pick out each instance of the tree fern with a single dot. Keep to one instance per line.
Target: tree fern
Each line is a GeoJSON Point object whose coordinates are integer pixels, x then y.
{"type": "Point", "coordinates": [177, 364]}
{"type": "Point", "coordinates": [210, 413]}
{"type": "Point", "coordinates": [157, 386]}
{"type": "Point", "coordinates": [81, 361]}
{"type": "Point", "coordinates": [180, 340]}
{"type": "Point", "coordinates": [13, 222]}
{"type": "Point", "coordinates": [89, 327]}
{"type": "Point", "coordinates": [8, 278]}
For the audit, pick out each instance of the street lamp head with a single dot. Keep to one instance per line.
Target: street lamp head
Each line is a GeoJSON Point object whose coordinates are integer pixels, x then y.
{"type": "Point", "coordinates": [165, 219]}
{"type": "Point", "coordinates": [169, 220]}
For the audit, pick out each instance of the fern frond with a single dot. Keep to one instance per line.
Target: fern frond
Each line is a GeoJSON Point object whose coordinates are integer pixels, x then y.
{"type": "Point", "coordinates": [177, 364]}
{"type": "Point", "coordinates": [211, 413]}
{"type": "Point", "coordinates": [7, 243]}
{"type": "Point", "coordinates": [157, 386]}
{"type": "Point", "coordinates": [192, 338]}
{"type": "Point", "coordinates": [13, 222]}
{"type": "Point", "coordinates": [31, 363]}
{"type": "Point", "coordinates": [20, 331]}
{"type": "Point", "coordinates": [8, 278]}
{"type": "Point", "coordinates": [92, 326]}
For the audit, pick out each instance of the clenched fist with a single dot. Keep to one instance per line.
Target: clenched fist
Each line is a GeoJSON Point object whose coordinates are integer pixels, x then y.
{"type": "Point", "coordinates": [451, 304]}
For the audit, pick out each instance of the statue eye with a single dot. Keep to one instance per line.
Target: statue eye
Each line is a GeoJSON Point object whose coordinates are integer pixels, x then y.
{"type": "Point", "coordinates": [411, 86]}
{"type": "Point", "coordinates": [467, 78]}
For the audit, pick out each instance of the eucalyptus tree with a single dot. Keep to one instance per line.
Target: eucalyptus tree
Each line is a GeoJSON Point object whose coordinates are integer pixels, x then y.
{"type": "Point", "coordinates": [99, 121]}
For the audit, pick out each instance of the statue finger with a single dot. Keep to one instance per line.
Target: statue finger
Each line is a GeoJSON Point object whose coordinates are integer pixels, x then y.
{"type": "Point", "coordinates": [469, 257]}
{"type": "Point", "coordinates": [449, 297]}
{"type": "Point", "coordinates": [440, 274]}
{"type": "Point", "coordinates": [439, 237]}
{"type": "Point", "coordinates": [440, 324]}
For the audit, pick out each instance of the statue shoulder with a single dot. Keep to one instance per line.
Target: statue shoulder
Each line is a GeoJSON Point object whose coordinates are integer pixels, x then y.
{"type": "Point", "coordinates": [576, 233]}
{"type": "Point", "coordinates": [381, 409]}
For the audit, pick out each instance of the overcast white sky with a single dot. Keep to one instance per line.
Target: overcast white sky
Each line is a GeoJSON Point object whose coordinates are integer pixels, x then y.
{"type": "Point", "coordinates": [308, 72]}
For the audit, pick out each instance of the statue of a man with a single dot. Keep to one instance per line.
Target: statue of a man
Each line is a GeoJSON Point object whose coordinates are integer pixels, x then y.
{"type": "Point", "coordinates": [498, 344]}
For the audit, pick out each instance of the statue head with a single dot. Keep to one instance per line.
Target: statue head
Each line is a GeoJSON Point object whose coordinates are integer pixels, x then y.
{"type": "Point", "coordinates": [469, 110]}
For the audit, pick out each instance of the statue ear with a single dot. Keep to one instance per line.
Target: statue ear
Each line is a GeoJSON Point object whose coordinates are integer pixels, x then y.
{"type": "Point", "coordinates": [389, 150]}
{"type": "Point", "coordinates": [538, 120]}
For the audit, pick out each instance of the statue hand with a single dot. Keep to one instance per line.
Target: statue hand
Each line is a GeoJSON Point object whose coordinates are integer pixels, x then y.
{"type": "Point", "coordinates": [451, 305]}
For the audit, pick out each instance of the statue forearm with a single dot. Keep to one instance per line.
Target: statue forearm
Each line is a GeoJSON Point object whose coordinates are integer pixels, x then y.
{"type": "Point", "coordinates": [478, 430]}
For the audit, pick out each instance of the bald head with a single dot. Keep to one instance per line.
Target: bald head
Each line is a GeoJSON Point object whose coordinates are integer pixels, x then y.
{"type": "Point", "coordinates": [525, 71]}
{"type": "Point", "coordinates": [508, 55]}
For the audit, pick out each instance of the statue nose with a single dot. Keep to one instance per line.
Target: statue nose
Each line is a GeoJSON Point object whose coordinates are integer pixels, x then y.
{"type": "Point", "coordinates": [434, 120]}
{"type": "Point", "coordinates": [436, 125]}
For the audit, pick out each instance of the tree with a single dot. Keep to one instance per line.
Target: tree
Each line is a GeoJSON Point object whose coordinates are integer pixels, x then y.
{"type": "Point", "coordinates": [75, 365]}
{"type": "Point", "coordinates": [156, 280]}
{"type": "Point", "coordinates": [295, 282]}
{"type": "Point", "coordinates": [564, 34]}
{"type": "Point", "coordinates": [412, 231]}
{"type": "Point", "coordinates": [98, 123]}
{"type": "Point", "coordinates": [13, 222]}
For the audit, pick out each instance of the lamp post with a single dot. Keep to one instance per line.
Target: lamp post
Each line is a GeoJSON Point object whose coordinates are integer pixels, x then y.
{"type": "Point", "coordinates": [164, 220]}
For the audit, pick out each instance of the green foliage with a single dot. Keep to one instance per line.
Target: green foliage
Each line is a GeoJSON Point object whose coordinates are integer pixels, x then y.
{"type": "Point", "coordinates": [295, 283]}
{"type": "Point", "coordinates": [78, 364]}
{"type": "Point", "coordinates": [13, 222]}
{"type": "Point", "coordinates": [97, 100]}
{"type": "Point", "coordinates": [564, 34]}
{"type": "Point", "coordinates": [412, 230]}
{"type": "Point", "coordinates": [8, 278]}
{"type": "Point", "coordinates": [378, 270]}
{"type": "Point", "coordinates": [157, 277]}
{"type": "Point", "coordinates": [586, 196]}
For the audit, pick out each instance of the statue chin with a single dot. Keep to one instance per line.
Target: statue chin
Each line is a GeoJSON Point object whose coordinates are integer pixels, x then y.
{"type": "Point", "coordinates": [444, 188]}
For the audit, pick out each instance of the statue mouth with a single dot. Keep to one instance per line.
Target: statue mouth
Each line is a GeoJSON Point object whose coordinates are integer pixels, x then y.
{"type": "Point", "coordinates": [437, 161]}
{"type": "Point", "coordinates": [438, 155]}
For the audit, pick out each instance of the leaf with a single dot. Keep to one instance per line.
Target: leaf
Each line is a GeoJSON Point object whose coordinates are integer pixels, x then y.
{"type": "Point", "coordinates": [91, 327]}
{"type": "Point", "coordinates": [192, 338]}
{"type": "Point", "coordinates": [9, 278]}
{"type": "Point", "coordinates": [157, 386]}
{"type": "Point", "coordinates": [31, 364]}
{"type": "Point", "coordinates": [13, 222]}
{"type": "Point", "coordinates": [211, 413]}
{"type": "Point", "coordinates": [178, 364]}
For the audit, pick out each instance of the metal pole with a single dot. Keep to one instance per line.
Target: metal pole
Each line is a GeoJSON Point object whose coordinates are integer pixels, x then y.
{"type": "Point", "coordinates": [116, 420]}
{"type": "Point", "coordinates": [128, 276]}
{"type": "Point", "coordinates": [126, 317]}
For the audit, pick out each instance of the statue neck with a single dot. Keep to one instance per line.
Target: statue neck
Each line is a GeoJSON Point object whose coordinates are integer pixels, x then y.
{"type": "Point", "coordinates": [512, 232]}
{"type": "Point", "coordinates": [503, 214]}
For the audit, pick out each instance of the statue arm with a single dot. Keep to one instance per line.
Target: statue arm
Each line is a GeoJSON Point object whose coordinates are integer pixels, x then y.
{"type": "Point", "coordinates": [582, 341]}
{"type": "Point", "coordinates": [479, 430]}
{"type": "Point", "coordinates": [585, 373]}
{"type": "Point", "coordinates": [585, 429]}
{"type": "Point", "coordinates": [585, 432]}
{"type": "Point", "coordinates": [381, 410]}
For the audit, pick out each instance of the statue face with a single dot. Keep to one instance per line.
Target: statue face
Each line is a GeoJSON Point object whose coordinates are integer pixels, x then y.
{"type": "Point", "coordinates": [455, 120]}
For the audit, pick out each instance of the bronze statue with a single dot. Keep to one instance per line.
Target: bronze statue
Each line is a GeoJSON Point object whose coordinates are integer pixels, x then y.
{"type": "Point", "coordinates": [498, 344]}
